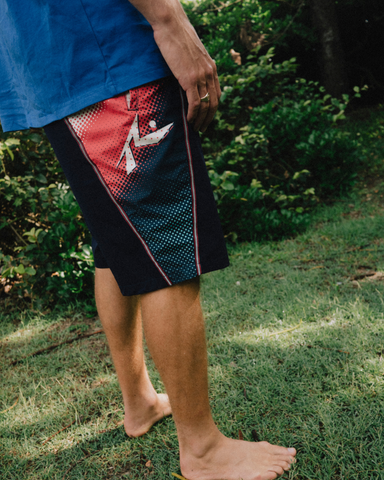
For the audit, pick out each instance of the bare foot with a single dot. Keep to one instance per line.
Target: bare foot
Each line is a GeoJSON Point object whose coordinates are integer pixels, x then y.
{"type": "Point", "coordinates": [237, 460]}
{"type": "Point", "coordinates": [138, 421]}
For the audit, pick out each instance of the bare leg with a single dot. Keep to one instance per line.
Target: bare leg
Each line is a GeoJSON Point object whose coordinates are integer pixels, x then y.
{"type": "Point", "coordinates": [121, 320]}
{"type": "Point", "coordinates": [174, 329]}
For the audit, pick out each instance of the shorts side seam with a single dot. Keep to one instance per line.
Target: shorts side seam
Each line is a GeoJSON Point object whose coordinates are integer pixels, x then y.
{"type": "Point", "coordinates": [193, 191]}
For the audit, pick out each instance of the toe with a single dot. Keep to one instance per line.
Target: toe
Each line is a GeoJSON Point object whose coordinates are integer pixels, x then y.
{"type": "Point", "coordinates": [276, 450]}
{"type": "Point", "coordinates": [278, 470]}
{"type": "Point", "coordinates": [285, 465]}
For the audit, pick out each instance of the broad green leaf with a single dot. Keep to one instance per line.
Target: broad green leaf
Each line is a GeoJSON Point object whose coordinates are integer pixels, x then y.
{"type": "Point", "coordinates": [227, 186]}
{"type": "Point", "coordinates": [20, 269]}
{"type": "Point", "coordinates": [30, 271]}
{"type": "Point", "coordinates": [40, 178]}
{"type": "Point", "coordinates": [12, 141]}
{"type": "Point", "coordinates": [35, 137]}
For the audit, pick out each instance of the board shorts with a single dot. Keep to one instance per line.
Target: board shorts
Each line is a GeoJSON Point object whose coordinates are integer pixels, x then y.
{"type": "Point", "coordinates": [137, 170]}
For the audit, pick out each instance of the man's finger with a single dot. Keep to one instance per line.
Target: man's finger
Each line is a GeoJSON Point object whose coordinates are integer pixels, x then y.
{"type": "Point", "coordinates": [208, 119]}
{"type": "Point", "coordinates": [202, 113]}
{"type": "Point", "coordinates": [193, 98]}
{"type": "Point", "coordinates": [217, 86]}
{"type": "Point", "coordinates": [213, 105]}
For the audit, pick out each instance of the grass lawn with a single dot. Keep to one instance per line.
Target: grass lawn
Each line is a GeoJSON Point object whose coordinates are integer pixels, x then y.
{"type": "Point", "coordinates": [295, 332]}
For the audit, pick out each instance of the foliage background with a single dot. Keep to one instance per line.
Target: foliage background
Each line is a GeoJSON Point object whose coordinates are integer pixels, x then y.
{"type": "Point", "coordinates": [275, 151]}
{"type": "Point", "coordinates": [45, 252]}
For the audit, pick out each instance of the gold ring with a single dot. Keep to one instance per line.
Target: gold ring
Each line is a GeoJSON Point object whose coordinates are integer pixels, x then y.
{"type": "Point", "coordinates": [205, 99]}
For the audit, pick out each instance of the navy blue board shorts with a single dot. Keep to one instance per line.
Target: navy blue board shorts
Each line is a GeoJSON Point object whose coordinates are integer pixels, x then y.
{"type": "Point", "coordinates": [137, 170]}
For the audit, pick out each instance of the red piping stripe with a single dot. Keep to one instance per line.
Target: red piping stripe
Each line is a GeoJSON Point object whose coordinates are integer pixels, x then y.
{"type": "Point", "coordinates": [195, 233]}
{"type": "Point", "coordinates": [114, 201]}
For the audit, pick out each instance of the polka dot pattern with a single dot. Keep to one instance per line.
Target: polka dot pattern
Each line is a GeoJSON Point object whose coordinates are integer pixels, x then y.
{"type": "Point", "coordinates": [84, 120]}
{"type": "Point", "coordinates": [156, 195]}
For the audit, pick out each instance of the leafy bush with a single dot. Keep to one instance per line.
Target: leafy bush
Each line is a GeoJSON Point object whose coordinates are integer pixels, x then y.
{"type": "Point", "coordinates": [248, 24]}
{"type": "Point", "coordinates": [45, 250]}
{"type": "Point", "coordinates": [274, 150]}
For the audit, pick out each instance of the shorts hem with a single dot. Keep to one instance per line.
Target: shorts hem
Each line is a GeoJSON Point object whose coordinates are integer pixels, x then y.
{"type": "Point", "coordinates": [154, 284]}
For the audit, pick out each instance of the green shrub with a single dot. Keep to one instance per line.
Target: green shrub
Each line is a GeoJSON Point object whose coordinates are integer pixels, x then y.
{"type": "Point", "coordinates": [45, 252]}
{"type": "Point", "coordinates": [247, 24]}
{"type": "Point", "coordinates": [274, 150]}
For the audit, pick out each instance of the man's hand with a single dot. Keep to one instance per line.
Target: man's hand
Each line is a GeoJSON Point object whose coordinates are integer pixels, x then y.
{"type": "Point", "coordinates": [186, 56]}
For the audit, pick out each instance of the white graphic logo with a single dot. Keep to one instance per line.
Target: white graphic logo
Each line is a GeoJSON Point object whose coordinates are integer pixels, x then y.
{"type": "Point", "coordinates": [150, 139]}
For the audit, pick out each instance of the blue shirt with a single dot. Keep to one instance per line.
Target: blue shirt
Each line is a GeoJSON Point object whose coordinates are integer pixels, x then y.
{"type": "Point", "coordinates": [57, 57]}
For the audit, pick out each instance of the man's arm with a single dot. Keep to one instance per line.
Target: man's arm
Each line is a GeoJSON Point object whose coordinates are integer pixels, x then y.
{"type": "Point", "coordinates": [185, 55]}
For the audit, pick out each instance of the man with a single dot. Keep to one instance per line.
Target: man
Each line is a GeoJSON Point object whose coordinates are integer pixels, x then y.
{"type": "Point", "coordinates": [98, 78]}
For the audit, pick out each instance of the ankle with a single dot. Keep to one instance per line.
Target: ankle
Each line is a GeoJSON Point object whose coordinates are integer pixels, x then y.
{"type": "Point", "coordinates": [145, 399]}
{"type": "Point", "coordinates": [199, 442]}
{"type": "Point", "coordinates": [138, 420]}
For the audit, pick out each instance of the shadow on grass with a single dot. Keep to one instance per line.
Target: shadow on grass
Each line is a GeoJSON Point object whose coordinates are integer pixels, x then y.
{"type": "Point", "coordinates": [326, 403]}
{"type": "Point", "coordinates": [298, 388]}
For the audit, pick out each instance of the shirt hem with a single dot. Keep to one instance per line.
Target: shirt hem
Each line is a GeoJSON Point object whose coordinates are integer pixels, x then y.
{"type": "Point", "coordinates": [78, 103]}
